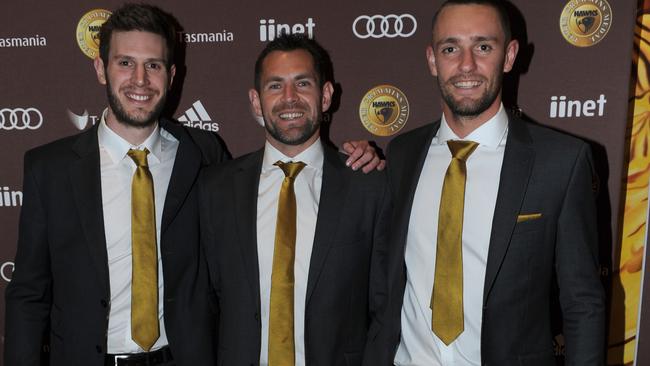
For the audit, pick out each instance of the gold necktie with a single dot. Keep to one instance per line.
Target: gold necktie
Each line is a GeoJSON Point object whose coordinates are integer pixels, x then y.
{"type": "Point", "coordinates": [447, 320]}
{"type": "Point", "coordinates": [281, 338]}
{"type": "Point", "coordinates": [144, 280]}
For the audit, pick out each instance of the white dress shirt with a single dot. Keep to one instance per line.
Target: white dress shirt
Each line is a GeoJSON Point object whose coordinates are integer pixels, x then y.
{"type": "Point", "coordinates": [419, 345]}
{"type": "Point", "coordinates": [307, 187]}
{"type": "Point", "coordinates": [117, 170]}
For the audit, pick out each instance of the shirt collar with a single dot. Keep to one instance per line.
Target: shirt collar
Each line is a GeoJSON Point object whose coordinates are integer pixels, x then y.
{"type": "Point", "coordinates": [117, 147]}
{"type": "Point", "coordinates": [490, 134]}
{"type": "Point", "coordinates": [313, 156]}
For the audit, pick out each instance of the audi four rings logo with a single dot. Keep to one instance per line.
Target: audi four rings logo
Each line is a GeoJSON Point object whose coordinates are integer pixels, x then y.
{"type": "Point", "coordinates": [389, 26]}
{"type": "Point", "coordinates": [20, 118]}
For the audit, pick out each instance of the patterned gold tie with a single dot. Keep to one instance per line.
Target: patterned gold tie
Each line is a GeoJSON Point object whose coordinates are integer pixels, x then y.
{"type": "Point", "coordinates": [447, 320]}
{"type": "Point", "coordinates": [144, 281]}
{"type": "Point", "coordinates": [281, 337]}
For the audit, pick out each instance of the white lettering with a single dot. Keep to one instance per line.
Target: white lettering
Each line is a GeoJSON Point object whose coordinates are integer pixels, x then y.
{"type": "Point", "coordinates": [207, 126]}
{"type": "Point", "coordinates": [207, 37]}
{"type": "Point", "coordinates": [269, 30]}
{"type": "Point", "coordinates": [561, 107]}
{"type": "Point", "coordinates": [10, 198]}
{"type": "Point", "coordinates": [35, 41]}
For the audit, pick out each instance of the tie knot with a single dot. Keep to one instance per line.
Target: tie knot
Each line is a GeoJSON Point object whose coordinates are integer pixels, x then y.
{"type": "Point", "coordinates": [139, 156]}
{"type": "Point", "coordinates": [461, 149]}
{"type": "Point", "coordinates": [291, 169]}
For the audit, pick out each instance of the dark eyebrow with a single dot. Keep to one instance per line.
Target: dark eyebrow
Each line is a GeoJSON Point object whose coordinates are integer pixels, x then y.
{"type": "Point", "coordinates": [133, 58]}
{"type": "Point", "coordinates": [447, 40]}
{"type": "Point", "coordinates": [118, 56]}
{"type": "Point", "coordinates": [485, 38]}
{"type": "Point", "coordinates": [273, 79]}
{"type": "Point", "coordinates": [297, 77]}
{"type": "Point", "coordinates": [304, 76]}
{"type": "Point", "coordinates": [454, 40]}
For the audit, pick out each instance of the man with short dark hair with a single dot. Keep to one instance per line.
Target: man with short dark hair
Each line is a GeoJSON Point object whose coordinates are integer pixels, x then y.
{"type": "Point", "coordinates": [77, 237]}
{"type": "Point", "coordinates": [490, 213]}
{"type": "Point", "coordinates": [298, 269]}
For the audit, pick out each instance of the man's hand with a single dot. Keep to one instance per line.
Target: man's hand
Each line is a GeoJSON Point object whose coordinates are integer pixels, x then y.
{"type": "Point", "coordinates": [363, 156]}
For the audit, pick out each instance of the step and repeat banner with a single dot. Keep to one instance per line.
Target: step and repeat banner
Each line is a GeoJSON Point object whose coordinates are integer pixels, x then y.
{"type": "Point", "coordinates": [572, 74]}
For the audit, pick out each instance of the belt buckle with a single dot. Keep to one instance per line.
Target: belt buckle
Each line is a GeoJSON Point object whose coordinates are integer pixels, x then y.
{"type": "Point", "coordinates": [117, 358]}
{"type": "Point", "coordinates": [145, 358]}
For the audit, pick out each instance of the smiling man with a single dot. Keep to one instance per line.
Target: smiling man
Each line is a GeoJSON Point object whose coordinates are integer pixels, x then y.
{"type": "Point", "coordinates": [108, 256]}
{"type": "Point", "coordinates": [298, 268]}
{"type": "Point", "coordinates": [491, 213]}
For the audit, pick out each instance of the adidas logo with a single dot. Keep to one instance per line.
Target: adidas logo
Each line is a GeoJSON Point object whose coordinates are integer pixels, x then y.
{"type": "Point", "coordinates": [197, 117]}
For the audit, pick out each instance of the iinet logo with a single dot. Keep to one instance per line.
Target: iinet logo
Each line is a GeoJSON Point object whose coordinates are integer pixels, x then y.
{"type": "Point", "coordinates": [269, 30]}
{"type": "Point", "coordinates": [10, 198]}
{"type": "Point", "coordinates": [561, 107]}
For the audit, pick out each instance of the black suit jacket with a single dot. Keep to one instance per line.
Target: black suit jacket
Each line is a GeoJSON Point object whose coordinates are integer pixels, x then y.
{"type": "Point", "coordinates": [348, 238]}
{"type": "Point", "coordinates": [61, 278]}
{"type": "Point", "coordinates": [543, 172]}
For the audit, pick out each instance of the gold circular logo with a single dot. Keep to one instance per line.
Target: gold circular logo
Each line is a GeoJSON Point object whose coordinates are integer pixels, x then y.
{"type": "Point", "coordinates": [584, 23]}
{"type": "Point", "coordinates": [384, 110]}
{"type": "Point", "coordinates": [88, 31]}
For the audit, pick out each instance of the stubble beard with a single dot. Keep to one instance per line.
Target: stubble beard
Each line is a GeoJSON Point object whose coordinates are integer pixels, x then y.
{"type": "Point", "coordinates": [472, 108]}
{"type": "Point", "coordinates": [122, 116]}
{"type": "Point", "coordinates": [306, 131]}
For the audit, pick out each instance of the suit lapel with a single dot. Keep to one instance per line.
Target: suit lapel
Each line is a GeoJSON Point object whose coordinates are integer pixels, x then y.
{"type": "Point", "coordinates": [407, 168]}
{"type": "Point", "coordinates": [245, 187]}
{"type": "Point", "coordinates": [184, 173]}
{"type": "Point", "coordinates": [335, 184]}
{"type": "Point", "coordinates": [517, 166]}
{"type": "Point", "coordinates": [409, 173]}
{"type": "Point", "coordinates": [85, 178]}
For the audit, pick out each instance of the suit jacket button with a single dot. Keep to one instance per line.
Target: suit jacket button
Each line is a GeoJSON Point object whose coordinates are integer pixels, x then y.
{"type": "Point", "coordinates": [104, 303]}
{"type": "Point", "coordinates": [99, 349]}
{"type": "Point", "coordinates": [257, 316]}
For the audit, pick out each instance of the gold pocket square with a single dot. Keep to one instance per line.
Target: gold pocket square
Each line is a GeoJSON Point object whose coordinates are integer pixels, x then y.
{"type": "Point", "coordinates": [528, 217]}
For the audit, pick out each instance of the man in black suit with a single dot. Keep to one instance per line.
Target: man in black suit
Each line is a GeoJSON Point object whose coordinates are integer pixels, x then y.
{"type": "Point", "coordinates": [336, 262]}
{"type": "Point", "coordinates": [528, 219]}
{"type": "Point", "coordinates": [73, 264]}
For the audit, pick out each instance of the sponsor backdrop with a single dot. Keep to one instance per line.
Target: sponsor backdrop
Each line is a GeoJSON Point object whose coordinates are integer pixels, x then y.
{"type": "Point", "coordinates": [572, 74]}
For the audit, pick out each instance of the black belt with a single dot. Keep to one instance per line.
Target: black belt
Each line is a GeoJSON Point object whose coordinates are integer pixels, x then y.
{"type": "Point", "coordinates": [140, 359]}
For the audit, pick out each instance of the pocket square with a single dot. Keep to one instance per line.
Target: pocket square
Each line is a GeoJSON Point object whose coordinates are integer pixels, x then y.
{"type": "Point", "coordinates": [528, 217]}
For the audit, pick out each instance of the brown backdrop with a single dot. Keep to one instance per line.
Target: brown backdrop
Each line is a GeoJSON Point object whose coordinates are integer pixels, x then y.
{"type": "Point", "coordinates": [43, 72]}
